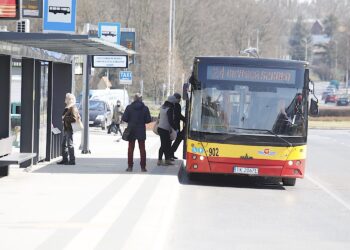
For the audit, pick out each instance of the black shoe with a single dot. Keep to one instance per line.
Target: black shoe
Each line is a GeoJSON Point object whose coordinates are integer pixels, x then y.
{"type": "Point", "coordinates": [174, 157]}
{"type": "Point", "coordinates": [129, 169]}
{"type": "Point", "coordinates": [143, 170]}
{"type": "Point", "coordinates": [70, 163]}
{"type": "Point", "coordinates": [63, 162]}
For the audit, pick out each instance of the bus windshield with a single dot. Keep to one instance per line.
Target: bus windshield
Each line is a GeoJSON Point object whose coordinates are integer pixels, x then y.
{"type": "Point", "coordinates": [248, 109]}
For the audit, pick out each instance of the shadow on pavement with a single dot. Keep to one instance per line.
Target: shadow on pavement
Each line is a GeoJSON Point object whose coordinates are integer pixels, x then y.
{"type": "Point", "coordinates": [220, 180]}
{"type": "Point", "coordinates": [108, 166]}
{"type": "Point", "coordinates": [119, 165]}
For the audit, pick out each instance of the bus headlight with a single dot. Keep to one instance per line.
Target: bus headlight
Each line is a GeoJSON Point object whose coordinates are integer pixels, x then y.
{"type": "Point", "coordinates": [201, 157]}
{"type": "Point", "coordinates": [194, 157]}
{"type": "Point", "coordinates": [195, 166]}
{"type": "Point", "coordinates": [290, 163]}
{"type": "Point", "coordinates": [298, 163]}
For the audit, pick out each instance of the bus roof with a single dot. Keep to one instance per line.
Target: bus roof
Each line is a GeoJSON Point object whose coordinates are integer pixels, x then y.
{"type": "Point", "coordinates": [264, 62]}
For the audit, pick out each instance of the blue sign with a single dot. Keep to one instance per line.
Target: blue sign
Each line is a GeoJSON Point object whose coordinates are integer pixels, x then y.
{"type": "Point", "coordinates": [109, 32]}
{"type": "Point", "coordinates": [125, 77]}
{"type": "Point", "coordinates": [59, 16]}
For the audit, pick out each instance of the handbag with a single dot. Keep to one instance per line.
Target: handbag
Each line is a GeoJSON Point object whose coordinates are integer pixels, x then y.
{"type": "Point", "coordinates": [126, 134]}
{"type": "Point", "coordinates": [77, 126]}
{"type": "Point", "coordinates": [155, 127]}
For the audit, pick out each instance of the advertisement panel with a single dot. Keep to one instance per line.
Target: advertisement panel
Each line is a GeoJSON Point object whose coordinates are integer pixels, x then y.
{"type": "Point", "coordinates": [9, 9]}
{"type": "Point", "coordinates": [128, 40]}
{"type": "Point", "coordinates": [32, 8]}
{"type": "Point", "coordinates": [110, 61]}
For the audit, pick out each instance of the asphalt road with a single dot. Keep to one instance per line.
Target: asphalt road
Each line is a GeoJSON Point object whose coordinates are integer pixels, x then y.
{"type": "Point", "coordinates": [97, 205]}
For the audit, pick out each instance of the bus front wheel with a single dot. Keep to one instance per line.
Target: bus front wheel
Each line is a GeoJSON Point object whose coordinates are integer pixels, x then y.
{"type": "Point", "coordinates": [289, 181]}
{"type": "Point", "coordinates": [192, 176]}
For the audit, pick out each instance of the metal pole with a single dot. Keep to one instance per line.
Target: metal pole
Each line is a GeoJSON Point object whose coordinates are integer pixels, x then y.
{"type": "Point", "coordinates": [141, 87]}
{"type": "Point", "coordinates": [347, 68]}
{"type": "Point", "coordinates": [336, 59]}
{"type": "Point", "coordinates": [85, 109]}
{"type": "Point", "coordinates": [257, 40]}
{"type": "Point", "coordinates": [173, 49]}
{"type": "Point", "coordinates": [20, 9]}
{"type": "Point", "coordinates": [169, 48]}
{"type": "Point", "coordinates": [124, 96]}
{"type": "Point", "coordinates": [73, 76]}
{"type": "Point", "coordinates": [305, 50]}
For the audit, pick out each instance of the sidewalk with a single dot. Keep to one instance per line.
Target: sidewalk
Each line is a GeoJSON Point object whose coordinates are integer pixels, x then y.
{"type": "Point", "coordinates": [52, 206]}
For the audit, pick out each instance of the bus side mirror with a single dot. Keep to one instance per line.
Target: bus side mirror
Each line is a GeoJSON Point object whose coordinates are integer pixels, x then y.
{"type": "Point", "coordinates": [185, 91]}
{"type": "Point", "coordinates": [313, 108]}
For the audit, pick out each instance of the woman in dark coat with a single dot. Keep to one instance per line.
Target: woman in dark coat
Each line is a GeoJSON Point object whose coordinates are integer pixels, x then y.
{"type": "Point", "coordinates": [137, 115]}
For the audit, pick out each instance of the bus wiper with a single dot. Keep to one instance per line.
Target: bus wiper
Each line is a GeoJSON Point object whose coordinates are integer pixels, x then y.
{"type": "Point", "coordinates": [269, 131]}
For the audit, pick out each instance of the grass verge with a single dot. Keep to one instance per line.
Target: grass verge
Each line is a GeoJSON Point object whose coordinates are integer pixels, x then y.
{"type": "Point", "coordinates": [330, 122]}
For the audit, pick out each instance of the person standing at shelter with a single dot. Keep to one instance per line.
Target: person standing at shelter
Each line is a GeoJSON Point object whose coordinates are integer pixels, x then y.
{"type": "Point", "coordinates": [177, 118]}
{"type": "Point", "coordinates": [137, 115]}
{"type": "Point", "coordinates": [165, 126]}
{"type": "Point", "coordinates": [69, 116]}
{"type": "Point", "coordinates": [117, 118]}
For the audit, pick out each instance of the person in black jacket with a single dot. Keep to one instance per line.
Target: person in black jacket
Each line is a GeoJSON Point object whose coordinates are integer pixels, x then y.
{"type": "Point", "coordinates": [165, 126]}
{"type": "Point", "coordinates": [137, 115]}
{"type": "Point", "coordinates": [177, 118]}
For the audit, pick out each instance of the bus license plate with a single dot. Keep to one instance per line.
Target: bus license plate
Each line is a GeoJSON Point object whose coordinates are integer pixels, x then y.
{"type": "Point", "coordinates": [240, 170]}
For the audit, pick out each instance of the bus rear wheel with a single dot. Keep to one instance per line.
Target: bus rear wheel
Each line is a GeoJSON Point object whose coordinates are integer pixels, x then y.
{"type": "Point", "coordinates": [289, 181]}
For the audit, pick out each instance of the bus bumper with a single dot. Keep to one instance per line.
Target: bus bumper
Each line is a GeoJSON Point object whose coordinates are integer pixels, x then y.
{"type": "Point", "coordinates": [268, 168]}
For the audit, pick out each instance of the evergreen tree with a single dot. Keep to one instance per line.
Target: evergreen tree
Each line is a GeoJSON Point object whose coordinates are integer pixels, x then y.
{"type": "Point", "coordinates": [330, 25]}
{"type": "Point", "coordinates": [299, 41]}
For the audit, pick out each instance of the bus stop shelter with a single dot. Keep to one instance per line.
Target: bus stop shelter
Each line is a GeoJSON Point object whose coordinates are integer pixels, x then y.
{"type": "Point", "coordinates": [46, 63]}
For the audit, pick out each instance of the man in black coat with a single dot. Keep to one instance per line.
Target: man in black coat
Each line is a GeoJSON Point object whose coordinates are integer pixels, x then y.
{"type": "Point", "coordinates": [137, 115]}
{"type": "Point", "coordinates": [177, 118]}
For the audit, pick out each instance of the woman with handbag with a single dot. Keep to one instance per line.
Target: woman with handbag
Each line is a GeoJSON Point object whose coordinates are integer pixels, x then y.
{"type": "Point", "coordinates": [70, 115]}
{"type": "Point", "coordinates": [136, 115]}
{"type": "Point", "coordinates": [166, 126]}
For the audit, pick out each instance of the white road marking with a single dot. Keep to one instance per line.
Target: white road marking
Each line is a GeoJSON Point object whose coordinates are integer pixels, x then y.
{"type": "Point", "coordinates": [155, 221]}
{"type": "Point", "coordinates": [167, 219]}
{"type": "Point", "coordinates": [90, 236]}
{"type": "Point", "coordinates": [329, 192]}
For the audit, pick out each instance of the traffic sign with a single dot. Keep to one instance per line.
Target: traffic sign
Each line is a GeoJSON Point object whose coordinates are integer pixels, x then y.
{"type": "Point", "coordinates": [59, 16]}
{"type": "Point", "coordinates": [109, 32]}
{"type": "Point", "coordinates": [125, 77]}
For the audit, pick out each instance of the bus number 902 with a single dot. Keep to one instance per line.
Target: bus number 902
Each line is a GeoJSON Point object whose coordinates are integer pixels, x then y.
{"type": "Point", "coordinates": [213, 151]}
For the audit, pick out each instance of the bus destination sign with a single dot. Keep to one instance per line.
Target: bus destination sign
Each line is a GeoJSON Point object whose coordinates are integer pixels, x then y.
{"type": "Point", "coordinates": [249, 74]}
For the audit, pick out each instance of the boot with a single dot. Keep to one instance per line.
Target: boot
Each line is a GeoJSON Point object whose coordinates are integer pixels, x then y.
{"type": "Point", "coordinates": [129, 169]}
{"type": "Point", "coordinates": [159, 163]}
{"type": "Point", "coordinates": [143, 169]}
{"type": "Point", "coordinates": [70, 163]}
{"type": "Point", "coordinates": [168, 162]}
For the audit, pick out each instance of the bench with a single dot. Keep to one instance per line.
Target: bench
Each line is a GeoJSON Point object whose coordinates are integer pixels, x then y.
{"type": "Point", "coordinates": [7, 157]}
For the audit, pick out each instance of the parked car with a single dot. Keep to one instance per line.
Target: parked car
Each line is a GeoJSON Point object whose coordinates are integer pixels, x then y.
{"type": "Point", "coordinates": [100, 114]}
{"type": "Point", "coordinates": [330, 98]}
{"type": "Point", "coordinates": [343, 101]}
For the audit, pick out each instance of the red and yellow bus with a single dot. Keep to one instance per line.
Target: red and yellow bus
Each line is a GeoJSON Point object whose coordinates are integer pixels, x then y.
{"type": "Point", "coordinates": [247, 116]}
